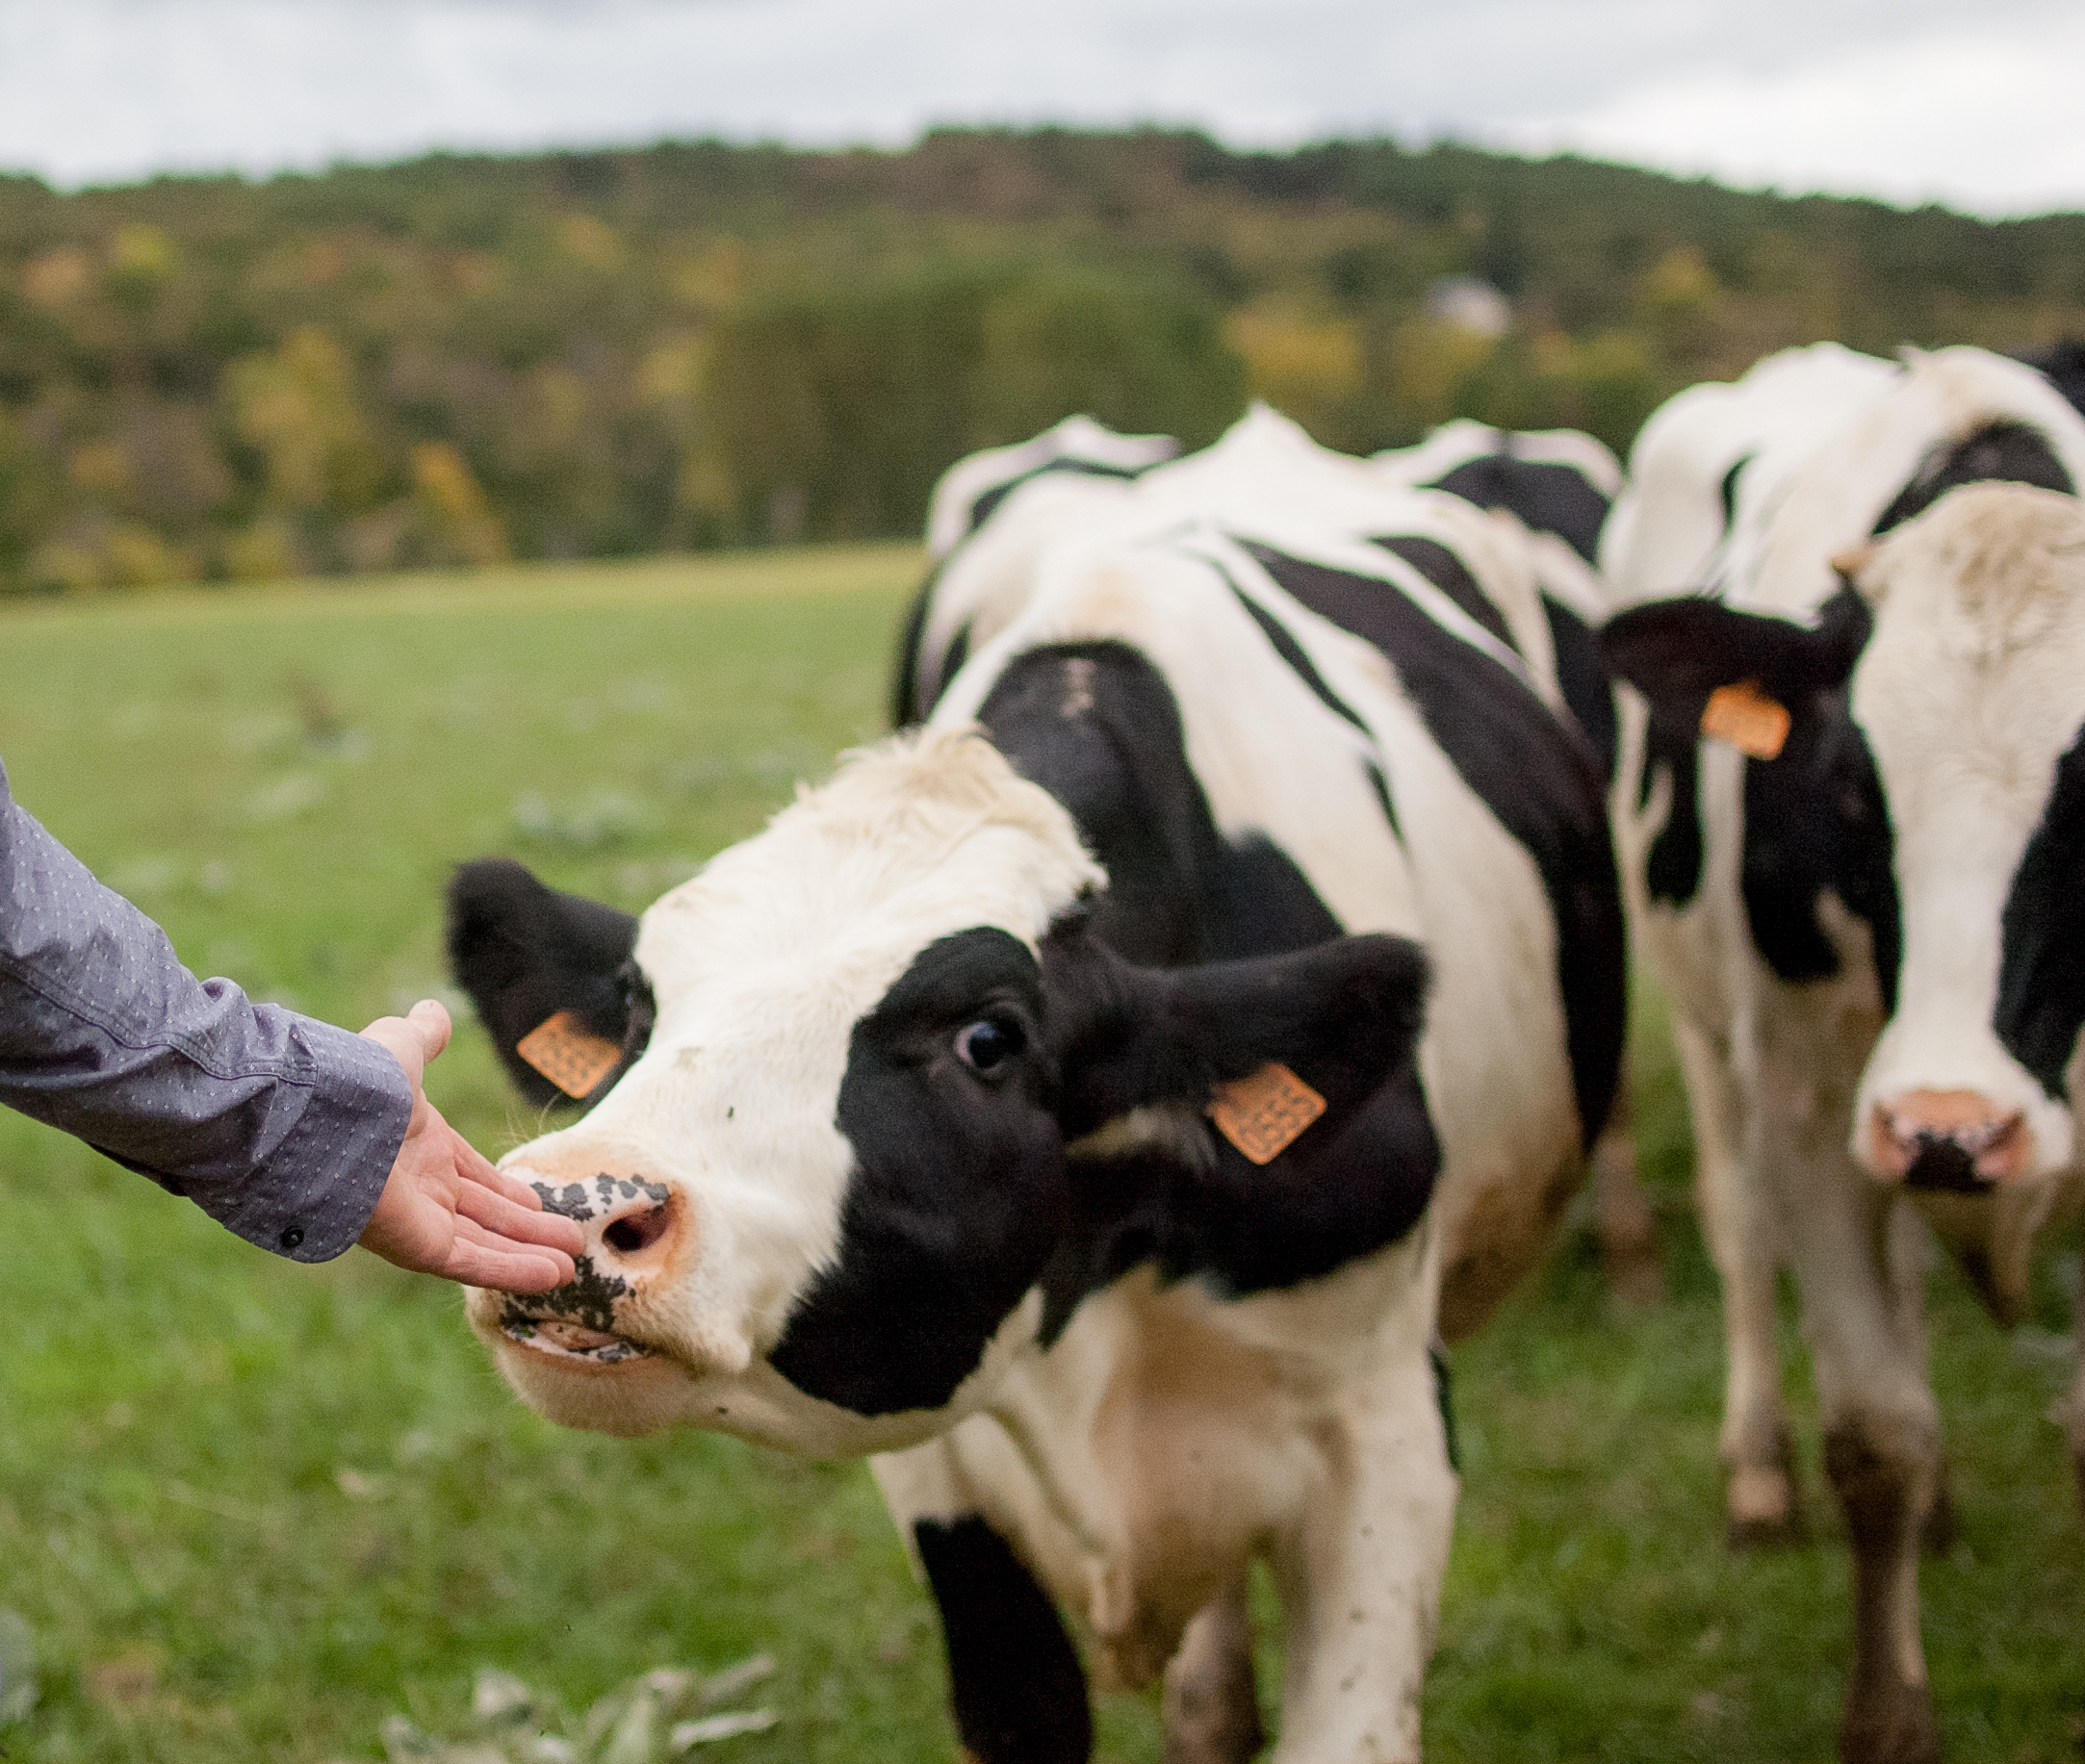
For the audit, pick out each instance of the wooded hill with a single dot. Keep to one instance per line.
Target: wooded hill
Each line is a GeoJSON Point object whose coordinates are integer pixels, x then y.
{"type": "Point", "coordinates": [463, 359]}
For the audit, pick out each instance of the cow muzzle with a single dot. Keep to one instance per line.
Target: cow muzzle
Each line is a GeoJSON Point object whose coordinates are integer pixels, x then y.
{"type": "Point", "coordinates": [1949, 1142]}
{"type": "Point", "coordinates": [640, 1236]}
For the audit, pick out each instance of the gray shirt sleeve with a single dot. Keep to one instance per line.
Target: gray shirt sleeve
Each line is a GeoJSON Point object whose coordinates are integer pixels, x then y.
{"type": "Point", "coordinates": [280, 1126]}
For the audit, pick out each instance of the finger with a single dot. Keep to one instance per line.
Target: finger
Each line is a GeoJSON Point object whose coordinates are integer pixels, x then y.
{"type": "Point", "coordinates": [475, 1238]}
{"type": "Point", "coordinates": [505, 1271]}
{"type": "Point", "coordinates": [507, 1219]}
{"type": "Point", "coordinates": [475, 1167]}
{"type": "Point", "coordinates": [404, 1043]}
{"type": "Point", "coordinates": [430, 1019]}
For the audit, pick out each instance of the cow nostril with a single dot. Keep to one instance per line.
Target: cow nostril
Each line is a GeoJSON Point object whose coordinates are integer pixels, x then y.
{"type": "Point", "coordinates": [637, 1231]}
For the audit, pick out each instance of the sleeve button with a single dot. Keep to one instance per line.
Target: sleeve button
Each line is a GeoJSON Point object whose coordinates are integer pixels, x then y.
{"type": "Point", "coordinates": [291, 1238]}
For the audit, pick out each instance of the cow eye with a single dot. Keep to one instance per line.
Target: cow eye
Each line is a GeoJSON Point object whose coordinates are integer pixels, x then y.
{"type": "Point", "coordinates": [986, 1045]}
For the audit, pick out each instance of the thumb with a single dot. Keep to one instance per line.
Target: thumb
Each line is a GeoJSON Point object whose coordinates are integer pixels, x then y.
{"type": "Point", "coordinates": [429, 1019]}
{"type": "Point", "coordinates": [414, 1039]}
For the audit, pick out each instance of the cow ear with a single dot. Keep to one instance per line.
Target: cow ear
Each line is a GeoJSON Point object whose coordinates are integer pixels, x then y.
{"type": "Point", "coordinates": [1678, 651]}
{"type": "Point", "coordinates": [529, 956]}
{"type": "Point", "coordinates": [1343, 1016]}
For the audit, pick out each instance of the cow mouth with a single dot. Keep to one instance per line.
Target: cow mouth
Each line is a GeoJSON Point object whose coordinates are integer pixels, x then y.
{"type": "Point", "coordinates": [559, 1337]}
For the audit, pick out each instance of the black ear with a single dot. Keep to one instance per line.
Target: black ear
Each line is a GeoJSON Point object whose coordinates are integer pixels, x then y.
{"type": "Point", "coordinates": [525, 952]}
{"type": "Point", "coordinates": [1676, 652]}
{"type": "Point", "coordinates": [1343, 1016]}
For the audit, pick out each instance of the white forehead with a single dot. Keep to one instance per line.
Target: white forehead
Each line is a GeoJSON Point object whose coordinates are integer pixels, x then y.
{"type": "Point", "coordinates": [922, 835]}
{"type": "Point", "coordinates": [1976, 669]}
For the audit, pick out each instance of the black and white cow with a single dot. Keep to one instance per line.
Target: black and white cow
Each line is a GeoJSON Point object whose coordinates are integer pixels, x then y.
{"type": "Point", "coordinates": [1852, 824]}
{"type": "Point", "coordinates": [931, 1120]}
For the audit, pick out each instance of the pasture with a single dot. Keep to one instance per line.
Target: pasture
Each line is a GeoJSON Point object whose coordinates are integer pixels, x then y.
{"type": "Point", "coordinates": [248, 1510]}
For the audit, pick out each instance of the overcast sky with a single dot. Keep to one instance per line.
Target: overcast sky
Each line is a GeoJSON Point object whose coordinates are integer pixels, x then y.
{"type": "Point", "coordinates": [1974, 102]}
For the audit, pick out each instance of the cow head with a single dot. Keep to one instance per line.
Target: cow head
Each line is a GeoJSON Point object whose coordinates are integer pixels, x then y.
{"type": "Point", "coordinates": [1933, 776]}
{"type": "Point", "coordinates": [889, 1086]}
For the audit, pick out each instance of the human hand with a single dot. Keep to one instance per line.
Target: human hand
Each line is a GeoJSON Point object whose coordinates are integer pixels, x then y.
{"type": "Point", "coordinates": [445, 1209]}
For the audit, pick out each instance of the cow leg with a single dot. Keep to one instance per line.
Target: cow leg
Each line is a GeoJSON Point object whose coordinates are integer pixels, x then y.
{"type": "Point", "coordinates": [1882, 1450]}
{"type": "Point", "coordinates": [1628, 1227]}
{"type": "Point", "coordinates": [1761, 1502]}
{"type": "Point", "coordinates": [1018, 1689]}
{"type": "Point", "coordinates": [1911, 1264]}
{"type": "Point", "coordinates": [1212, 1704]}
{"type": "Point", "coordinates": [1361, 1576]}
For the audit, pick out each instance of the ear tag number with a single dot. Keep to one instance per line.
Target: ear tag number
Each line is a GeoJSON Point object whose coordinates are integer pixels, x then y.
{"type": "Point", "coordinates": [1745, 717]}
{"type": "Point", "coordinates": [1264, 1113]}
{"type": "Point", "coordinates": [569, 1054]}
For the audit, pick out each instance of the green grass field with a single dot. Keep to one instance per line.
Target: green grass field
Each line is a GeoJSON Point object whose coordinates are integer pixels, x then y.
{"type": "Point", "coordinates": [247, 1509]}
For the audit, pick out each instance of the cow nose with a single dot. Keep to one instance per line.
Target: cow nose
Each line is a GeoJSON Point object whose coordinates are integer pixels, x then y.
{"type": "Point", "coordinates": [641, 1236]}
{"type": "Point", "coordinates": [1953, 1140]}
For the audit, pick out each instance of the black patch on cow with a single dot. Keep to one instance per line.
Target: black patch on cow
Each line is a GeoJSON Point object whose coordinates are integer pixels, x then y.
{"type": "Point", "coordinates": [905, 710]}
{"type": "Point", "coordinates": [2042, 959]}
{"type": "Point", "coordinates": [1381, 785]}
{"type": "Point", "coordinates": [2002, 453]}
{"type": "Point", "coordinates": [588, 1297]}
{"type": "Point", "coordinates": [1582, 678]}
{"type": "Point", "coordinates": [1179, 891]}
{"type": "Point", "coordinates": [1443, 1397]}
{"type": "Point", "coordinates": [1447, 572]}
{"type": "Point", "coordinates": [936, 1250]}
{"type": "Point", "coordinates": [1545, 497]}
{"type": "Point", "coordinates": [982, 509]}
{"type": "Point", "coordinates": [1672, 869]}
{"type": "Point", "coordinates": [524, 952]}
{"type": "Point", "coordinates": [1536, 772]}
{"type": "Point", "coordinates": [1816, 816]}
{"type": "Point", "coordinates": [1726, 490]}
{"type": "Point", "coordinates": [961, 1200]}
{"type": "Point", "coordinates": [1014, 1679]}
{"type": "Point", "coordinates": [2064, 364]}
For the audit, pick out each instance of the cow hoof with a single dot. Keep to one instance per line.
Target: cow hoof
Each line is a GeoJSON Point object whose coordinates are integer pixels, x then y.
{"type": "Point", "coordinates": [1890, 1724]}
{"type": "Point", "coordinates": [1762, 1511]}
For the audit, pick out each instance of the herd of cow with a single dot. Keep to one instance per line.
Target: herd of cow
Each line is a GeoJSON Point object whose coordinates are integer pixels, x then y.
{"type": "Point", "coordinates": [1102, 1099]}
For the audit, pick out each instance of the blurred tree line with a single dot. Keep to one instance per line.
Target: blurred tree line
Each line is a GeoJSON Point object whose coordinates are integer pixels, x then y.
{"type": "Point", "coordinates": [461, 359]}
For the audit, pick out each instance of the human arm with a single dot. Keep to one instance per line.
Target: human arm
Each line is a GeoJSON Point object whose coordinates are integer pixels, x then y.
{"type": "Point", "coordinates": [288, 1131]}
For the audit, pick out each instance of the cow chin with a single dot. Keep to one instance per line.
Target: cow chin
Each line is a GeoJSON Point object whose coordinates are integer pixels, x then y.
{"type": "Point", "coordinates": [626, 1398]}
{"type": "Point", "coordinates": [646, 1391]}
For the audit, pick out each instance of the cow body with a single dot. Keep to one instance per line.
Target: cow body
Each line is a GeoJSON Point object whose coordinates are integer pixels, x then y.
{"type": "Point", "coordinates": [1208, 778]}
{"type": "Point", "coordinates": [1859, 896]}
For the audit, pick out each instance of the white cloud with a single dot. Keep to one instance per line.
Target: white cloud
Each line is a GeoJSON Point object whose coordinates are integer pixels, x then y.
{"type": "Point", "coordinates": [1985, 120]}
{"type": "Point", "coordinates": [1954, 95]}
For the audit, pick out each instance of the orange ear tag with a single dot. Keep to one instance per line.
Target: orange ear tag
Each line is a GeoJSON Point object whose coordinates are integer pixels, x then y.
{"type": "Point", "coordinates": [569, 1054]}
{"type": "Point", "coordinates": [1262, 1114]}
{"type": "Point", "coordinates": [1745, 717]}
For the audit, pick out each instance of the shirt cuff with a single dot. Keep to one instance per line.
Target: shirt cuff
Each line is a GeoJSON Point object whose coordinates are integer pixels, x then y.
{"type": "Point", "coordinates": [323, 1177]}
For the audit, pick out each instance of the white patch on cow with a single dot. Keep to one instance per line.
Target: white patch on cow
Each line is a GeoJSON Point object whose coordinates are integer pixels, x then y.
{"type": "Point", "coordinates": [1971, 690]}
